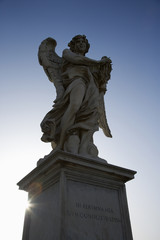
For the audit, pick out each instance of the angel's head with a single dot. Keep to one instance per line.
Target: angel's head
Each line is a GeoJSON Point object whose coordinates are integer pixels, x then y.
{"type": "Point", "coordinates": [79, 44]}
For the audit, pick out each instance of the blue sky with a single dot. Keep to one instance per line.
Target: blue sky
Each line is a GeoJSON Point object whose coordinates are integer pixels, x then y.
{"type": "Point", "coordinates": [126, 31]}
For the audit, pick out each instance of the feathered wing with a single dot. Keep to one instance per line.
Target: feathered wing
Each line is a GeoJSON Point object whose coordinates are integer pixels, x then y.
{"type": "Point", "coordinates": [51, 62]}
{"type": "Point", "coordinates": [103, 79]}
{"type": "Point", "coordinates": [102, 116]}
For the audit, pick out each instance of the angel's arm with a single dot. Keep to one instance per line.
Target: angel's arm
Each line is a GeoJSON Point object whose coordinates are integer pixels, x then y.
{"type": "Point", "coordinates": [79, 59]}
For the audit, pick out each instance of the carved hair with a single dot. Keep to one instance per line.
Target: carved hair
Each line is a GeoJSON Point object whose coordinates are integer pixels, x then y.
{"type": "Point", "coordinates": [72, 43]}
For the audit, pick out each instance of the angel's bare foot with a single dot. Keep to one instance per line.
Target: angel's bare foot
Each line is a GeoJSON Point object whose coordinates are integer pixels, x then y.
{"type": "Point", "coordinates": [58, 147]}
{"type": "Point", "coordinates": [55, 146]}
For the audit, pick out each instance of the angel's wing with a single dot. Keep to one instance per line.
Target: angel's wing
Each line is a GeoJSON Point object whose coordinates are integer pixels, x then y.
{"type": "Point", "coordinates": [51, 62]}
{"type": "Point", "coordinates": [102, 116]}
{"type": "Point", "coordinates": [103, 80]}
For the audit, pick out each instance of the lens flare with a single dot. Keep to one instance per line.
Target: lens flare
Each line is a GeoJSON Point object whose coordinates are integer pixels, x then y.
{"type": "Point", "coordinates": [28, 205]}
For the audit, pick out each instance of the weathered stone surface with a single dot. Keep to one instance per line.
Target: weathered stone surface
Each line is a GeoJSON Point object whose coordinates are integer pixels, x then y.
{"type": "Point", "coordinates": [80, 84]}
{"type": "Point", "coordinates": [76, 198]}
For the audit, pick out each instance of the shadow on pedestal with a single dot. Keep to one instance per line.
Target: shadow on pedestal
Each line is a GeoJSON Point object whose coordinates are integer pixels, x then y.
{"type": "Point", "coordinates": [76, 198]}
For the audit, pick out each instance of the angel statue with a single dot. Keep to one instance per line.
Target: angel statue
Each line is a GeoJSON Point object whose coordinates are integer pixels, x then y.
{"type": "Point", "coordinates": [78, 109]}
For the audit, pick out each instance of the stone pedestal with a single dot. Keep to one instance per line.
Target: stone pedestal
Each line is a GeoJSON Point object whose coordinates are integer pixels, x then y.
{"type": "Point", "coordinates": [76, 198]}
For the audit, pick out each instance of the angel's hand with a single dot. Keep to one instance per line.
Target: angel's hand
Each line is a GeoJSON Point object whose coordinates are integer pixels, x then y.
{"type": "Point", "coordinates": [105, 60]}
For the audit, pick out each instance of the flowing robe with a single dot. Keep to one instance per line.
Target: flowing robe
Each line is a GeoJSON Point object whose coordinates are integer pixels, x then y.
{"type": "Point", "coordinates": [86, 119]}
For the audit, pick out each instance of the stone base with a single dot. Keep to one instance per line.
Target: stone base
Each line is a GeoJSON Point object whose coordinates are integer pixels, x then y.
{"type": "Point", "coordinates": [76, 198]}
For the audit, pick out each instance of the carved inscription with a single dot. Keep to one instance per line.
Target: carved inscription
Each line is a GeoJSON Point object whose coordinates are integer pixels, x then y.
{"type": "Point", "coordinates": [93, 207]}
{"type": "Point", "coordinates": [94, 212]}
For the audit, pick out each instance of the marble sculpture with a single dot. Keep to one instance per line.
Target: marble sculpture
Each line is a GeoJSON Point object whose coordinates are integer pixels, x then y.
{"type": "Point", "coordinates": [78, 109]}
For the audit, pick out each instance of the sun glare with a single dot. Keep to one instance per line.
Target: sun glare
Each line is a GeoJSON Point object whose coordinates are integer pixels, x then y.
{"type": "Point", "coordinates": [28, 205]}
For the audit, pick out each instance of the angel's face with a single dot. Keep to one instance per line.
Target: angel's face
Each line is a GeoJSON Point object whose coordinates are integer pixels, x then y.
{"type": "Point", "coordinates": [80, 46]}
